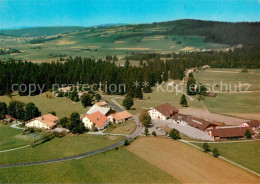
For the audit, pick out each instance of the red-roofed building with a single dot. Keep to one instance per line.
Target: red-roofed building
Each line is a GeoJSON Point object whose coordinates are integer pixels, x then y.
{"type": "Point", "coordinates": [229, 132]}
{"type": "Point", "coordinates": [254, 124]}
{"type": "Point", "coordinates": [163, 112]}
{"type": "Point", "coordinates": [95, 120]}
{"type": "Point", "coordinates": [120, 117]}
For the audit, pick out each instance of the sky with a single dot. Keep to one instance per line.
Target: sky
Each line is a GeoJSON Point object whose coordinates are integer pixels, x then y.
{"type": "Point", "coordinates": [40, 13]}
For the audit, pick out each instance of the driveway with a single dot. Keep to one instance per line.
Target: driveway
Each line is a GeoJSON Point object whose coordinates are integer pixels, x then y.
{"type": "Point", "coordinates": [114, 105]}
{"type": "Point", "coordinates": [184, 129]}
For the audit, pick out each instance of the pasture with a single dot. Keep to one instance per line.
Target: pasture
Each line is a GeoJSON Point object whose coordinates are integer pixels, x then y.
{"type": "Point", "coordinates": [188, 164]}
{"type": "Point", "coordinates": [59, 147]}
{"type": "Point", "coordinates": [12, 138]}
{"type": "Point", "coordinates": [232, 102]}
{"type": "Point", "coordinates": [243, 105]}
{"type": "Point", "coordinates": [243, 153]}
{"type": "Point", "coordinates": [127, 127]}
{"type": "Point", "coordinates": [229, 79]}
{"type": "Point", "coordinates": [115, 166]}
{"type": "Point", "coordinates": [62, 106]}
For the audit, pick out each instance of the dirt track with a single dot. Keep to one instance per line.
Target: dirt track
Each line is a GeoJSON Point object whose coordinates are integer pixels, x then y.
{"type": "Point", "coordinates": [188, 164]}
{"type": "Point", "coordinates": [205, 114]}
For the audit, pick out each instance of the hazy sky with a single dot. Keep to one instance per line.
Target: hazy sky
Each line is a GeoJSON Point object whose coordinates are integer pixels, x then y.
{"type": "Point", "coordinates": [17, 13]}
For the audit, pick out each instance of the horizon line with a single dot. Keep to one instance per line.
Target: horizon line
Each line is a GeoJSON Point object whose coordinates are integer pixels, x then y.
{"type": "Point", "coordinates": [114, 24]}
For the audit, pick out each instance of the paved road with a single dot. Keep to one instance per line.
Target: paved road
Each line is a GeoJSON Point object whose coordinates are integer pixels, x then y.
{"type": "Point", "coordinates": [137, 132]}
{"type": "Point", "coordinates": [114, 106]}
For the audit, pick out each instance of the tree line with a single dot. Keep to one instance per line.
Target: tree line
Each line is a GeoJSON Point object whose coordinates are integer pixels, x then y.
{"type": "Point", "coordinates": [76, 70]}
{"type": "Point", "coordinates": [19, 110]}
{"type": "Point", "coordinates": [151, 71]}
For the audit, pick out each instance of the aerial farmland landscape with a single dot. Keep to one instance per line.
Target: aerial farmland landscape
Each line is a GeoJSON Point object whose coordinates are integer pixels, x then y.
{"type": "Point", "coordinates": [114, 91]}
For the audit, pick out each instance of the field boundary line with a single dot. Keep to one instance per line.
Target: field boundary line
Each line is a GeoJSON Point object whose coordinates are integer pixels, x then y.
{"type": "Point", "coordinates": [225, 159]}
{"type": "Point", "coordinates": [3, 151]}
{"type": "Point", "coordinates": [222, 142]}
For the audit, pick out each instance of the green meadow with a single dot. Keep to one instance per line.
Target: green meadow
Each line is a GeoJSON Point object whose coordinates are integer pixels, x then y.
{"type": "Point", "coordinates": [115, 166]}
{"type": "Point", "coordinates": [11, 138]}
{"type": "Point", "coordinates": [59, 148]}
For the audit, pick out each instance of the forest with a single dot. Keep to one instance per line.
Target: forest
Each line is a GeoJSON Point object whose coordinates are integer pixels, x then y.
{"type": "Point", "coordinates": [246, 33]}
{"type": "Point", "coordinates": [152, 69]}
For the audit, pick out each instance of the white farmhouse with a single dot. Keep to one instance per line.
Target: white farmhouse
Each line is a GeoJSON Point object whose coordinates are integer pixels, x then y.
{"type": "Point", "coordinates": [47, 121]}
{"type": "Point", "coordinates": [95, 120]}
{"type": "Point", "coordinates": [163, 112]}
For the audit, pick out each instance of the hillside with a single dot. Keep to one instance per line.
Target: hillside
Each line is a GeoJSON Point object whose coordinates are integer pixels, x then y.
{"type": "Point", "coordinates": [40, 31]}
{"type": "Point", "coordinates": [217, 32]}
{"type": "Point", "coordinates": [121, 40]}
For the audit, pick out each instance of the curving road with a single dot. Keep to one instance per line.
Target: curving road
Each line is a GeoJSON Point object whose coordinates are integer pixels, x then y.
{"type": "Point", "coordinates": [137, 132]}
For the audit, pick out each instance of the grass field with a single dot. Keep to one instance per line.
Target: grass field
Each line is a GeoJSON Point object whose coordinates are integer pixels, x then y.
{"type": "Point", "coordinates": [62, 106]}
{"type": "Point", "coordinates": [188, 164]}
{"type": "Point", "coordinates": [233, 103]}
{"type": "Point", "coordinates": [127, 127]}
{"type": "Point", "coordinates": [246, 153]}
{"type": "Point", "coordinates": [12, 138]}
{"type": "Point", "coordinates": [236, 104]}
{"type": "Point", "coordinates": [58, 148]}
{"type": "Point", "coordinates": [113, 166]}
{"type": "Point", "coordinates": [231, 77]}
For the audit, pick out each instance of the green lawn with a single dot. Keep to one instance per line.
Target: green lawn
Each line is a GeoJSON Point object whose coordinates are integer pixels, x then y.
{"type": "Point", "coordinates": [58, 148]}
{"type": "Point", "coordinates": [62, 106]}
{"type": "Point", "coordinates": [246, 153]}
{"type": "Point", "coordinates": [127, 127]}
{"type": "Point", "coordinates": [12, 138]}
{"type": "Point", "coordinates": [115, 166]}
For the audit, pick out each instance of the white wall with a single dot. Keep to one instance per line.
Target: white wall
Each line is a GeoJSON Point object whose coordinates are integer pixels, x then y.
{"type": "Point", "coordinates": [88, 124]}
{"type": "Point", "coordinates": [37, 124]}
{"type": "Point", "coordinates": [156, 115]}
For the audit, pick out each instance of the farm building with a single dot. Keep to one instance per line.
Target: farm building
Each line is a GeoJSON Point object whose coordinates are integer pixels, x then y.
{"type": "Point", "coordinates": [95, 120]}
{"type": "Point", "coordinates": [202, 124]}
{"type": "Point", "coordinates": [163, 112]}
{"type": "Point", "coordinates": [104, 110]}
{"type": "Point", "coordinates": [181, 119]}
{"type": "Point", "coordinates": [9, 119]}
{"type": "Point", "coordinates": [47, 121]}
{"type": "Point", "coordinates": [229, 132]}
{"type": "Point", "coordinates": [254, 124]}
{"type": "Point", "coordinates": [205, 67]}
{"type": "Point", "coordinates": [120, 117]}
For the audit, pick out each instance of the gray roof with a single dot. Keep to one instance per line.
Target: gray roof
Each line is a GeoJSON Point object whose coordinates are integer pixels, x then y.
{"type": "Point", "coordinates": [95, 108]}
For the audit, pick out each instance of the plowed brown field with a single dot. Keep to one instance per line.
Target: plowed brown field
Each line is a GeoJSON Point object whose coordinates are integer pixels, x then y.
{"type": "Point", "coordinates": [188, 164]}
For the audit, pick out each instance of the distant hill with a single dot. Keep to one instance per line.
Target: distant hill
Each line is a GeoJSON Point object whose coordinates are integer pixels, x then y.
{"type": "Point", "coordinates": [217, 32]}
{"type": "Point", "coordinates": [40, 31]}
